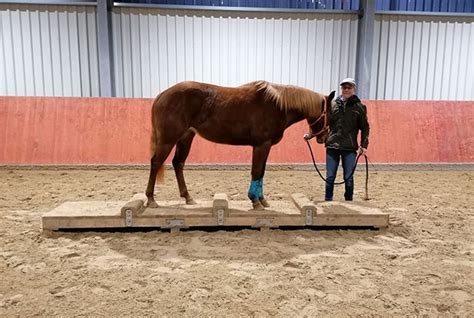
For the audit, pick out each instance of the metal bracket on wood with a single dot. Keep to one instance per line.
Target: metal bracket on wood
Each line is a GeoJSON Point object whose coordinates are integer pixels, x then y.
{"type": "Point", "coordinates": [309, 217]}
{"type": "Point", "coordinates": [263, 222]}
{"type": "Point", "coordinates": [170, 223]}
{"type": "Point", "coordinates": [220, 216]}
{"type": "Point", "coordinates": [128, 218]}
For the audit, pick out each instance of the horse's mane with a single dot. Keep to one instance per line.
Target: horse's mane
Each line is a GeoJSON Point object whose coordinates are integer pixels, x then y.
{"type": "Point", "coordinates": [288, 97]}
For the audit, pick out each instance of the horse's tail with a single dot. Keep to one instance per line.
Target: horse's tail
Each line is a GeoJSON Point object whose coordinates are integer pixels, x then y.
{"type": "Point", "coordinates": [160, 177]}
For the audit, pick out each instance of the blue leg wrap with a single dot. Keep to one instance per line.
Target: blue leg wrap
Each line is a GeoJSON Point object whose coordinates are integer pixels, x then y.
{"type": "Point", "coordinates": [256, 190]}
{"type": "Point", "coordinates": [260, 194]}
{"type": "Point", "coordinates": [253, 190]}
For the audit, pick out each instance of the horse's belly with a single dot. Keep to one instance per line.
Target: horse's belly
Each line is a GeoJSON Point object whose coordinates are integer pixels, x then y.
{"type": "Point", "coordinates": [225, 136]}
{"type": "Point", "coordinates": [233, 128]}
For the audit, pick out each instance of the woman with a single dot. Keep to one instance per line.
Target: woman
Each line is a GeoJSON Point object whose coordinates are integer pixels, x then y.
{"type": "Point", "coordinates": [347, 116]}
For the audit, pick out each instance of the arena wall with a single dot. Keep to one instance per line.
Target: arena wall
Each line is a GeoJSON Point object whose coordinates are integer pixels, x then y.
{"type": "Point", "coordinates": [78, 130]}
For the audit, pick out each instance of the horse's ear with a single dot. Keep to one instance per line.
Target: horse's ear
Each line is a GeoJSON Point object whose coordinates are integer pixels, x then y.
{"type": "Point", "coordinates": [331, 96]}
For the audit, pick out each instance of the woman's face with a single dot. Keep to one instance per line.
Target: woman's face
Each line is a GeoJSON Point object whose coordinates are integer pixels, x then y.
{"type": "Point", "coordinates": [347, 90]}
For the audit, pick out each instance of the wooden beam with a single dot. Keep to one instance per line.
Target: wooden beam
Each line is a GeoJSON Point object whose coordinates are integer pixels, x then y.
{"type": "Point", "coordinates": [220, 212]}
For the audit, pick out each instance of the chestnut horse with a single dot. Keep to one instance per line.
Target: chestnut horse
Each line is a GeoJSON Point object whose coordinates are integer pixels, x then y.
{"type": "Point", "coordinates": [255, 114]}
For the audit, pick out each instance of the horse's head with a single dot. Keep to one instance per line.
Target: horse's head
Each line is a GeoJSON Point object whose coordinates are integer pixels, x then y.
{"type": "Point", "coordinates": [319, 126]}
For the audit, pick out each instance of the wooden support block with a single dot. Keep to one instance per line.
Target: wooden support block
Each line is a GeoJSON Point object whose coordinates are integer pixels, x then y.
{"type": "Point", "coordinates": [306, 206]}
{"type": "Point", "coordinates": [220, 207]}
{"type": "Point", "coordinates": [302, 202]}
{"type": "Point", "coordinates": [220, 201]}
{"type": "Point", "coordinates": [134, 206]}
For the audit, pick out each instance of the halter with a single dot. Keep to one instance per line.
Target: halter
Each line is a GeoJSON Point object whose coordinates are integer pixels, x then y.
{"type": "Point", "coordinates": [322, 116]}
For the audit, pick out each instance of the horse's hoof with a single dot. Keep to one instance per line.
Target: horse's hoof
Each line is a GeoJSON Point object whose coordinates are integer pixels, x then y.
{"type": "Point", "coordinates": [258, 206]}
{"type": "Point", "coordinates": [190, 201]}
{"type": "Point", "coordinates": [152, 204]}
{"type": "Point", "coordinates": [265, 203]}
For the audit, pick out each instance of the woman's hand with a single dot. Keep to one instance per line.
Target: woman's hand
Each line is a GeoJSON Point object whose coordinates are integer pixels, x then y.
{"type": "Point", "coordinates": [362, 151]}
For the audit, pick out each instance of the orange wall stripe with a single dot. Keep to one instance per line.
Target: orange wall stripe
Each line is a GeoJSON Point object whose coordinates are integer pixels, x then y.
{"type": "Point", "coordinates": [62, 130]}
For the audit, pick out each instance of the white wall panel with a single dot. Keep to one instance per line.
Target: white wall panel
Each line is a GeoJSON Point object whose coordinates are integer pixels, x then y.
{"type": "Point", "coordinates": [423, 57]}
{"type": "Point", "coordinates": [156, 48]}
{"type": "Point", "coordinates": [48, 50]}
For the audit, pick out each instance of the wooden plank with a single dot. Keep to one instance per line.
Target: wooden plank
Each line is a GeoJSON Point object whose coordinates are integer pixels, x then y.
{"type": "Point", "coordinates": [176, 214]}
{"type": "Point", "coordinates": [84, 214]}
{"type": "Point", "coordinates": [244, 208]}
{"type": "Point", "coordinates": [350, 213]}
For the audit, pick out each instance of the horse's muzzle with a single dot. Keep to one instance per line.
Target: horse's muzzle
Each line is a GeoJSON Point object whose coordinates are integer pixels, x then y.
{"type": "Point", "coordinates": [321, 140]}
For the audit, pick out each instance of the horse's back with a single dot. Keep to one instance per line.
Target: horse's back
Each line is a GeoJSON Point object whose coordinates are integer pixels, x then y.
{"type": "Point", "coordinates": [193, 85]}
{"type": "Point", "coordinates": [179, 94]}
{"type": "Point", "coordinates": [189, 93]}
{"type": "Point", "coordinates": [189, 102]}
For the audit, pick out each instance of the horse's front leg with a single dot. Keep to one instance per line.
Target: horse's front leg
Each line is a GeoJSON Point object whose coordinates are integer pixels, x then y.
{"type": "Point", "coordinates": [259, 160]}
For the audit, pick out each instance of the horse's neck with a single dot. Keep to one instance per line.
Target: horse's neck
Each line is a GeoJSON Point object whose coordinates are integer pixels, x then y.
{"type": "Point", "coordinates": [294, 116]}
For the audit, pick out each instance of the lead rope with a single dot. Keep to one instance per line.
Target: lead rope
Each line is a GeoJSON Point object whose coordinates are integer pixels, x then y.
{"type": "Point", "coordinates": [366, 197]}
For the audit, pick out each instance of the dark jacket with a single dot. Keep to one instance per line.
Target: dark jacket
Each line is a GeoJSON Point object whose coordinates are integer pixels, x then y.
{"type": "Point", "coordinates": [345, 121]}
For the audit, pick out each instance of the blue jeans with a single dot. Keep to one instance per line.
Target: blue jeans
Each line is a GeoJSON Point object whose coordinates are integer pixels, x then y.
{"type": "Point", "coordinates": [332, 162]}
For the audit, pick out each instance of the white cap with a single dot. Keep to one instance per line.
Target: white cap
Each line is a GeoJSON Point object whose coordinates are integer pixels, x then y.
{"type": "Point", "coordinates": [348, 81]}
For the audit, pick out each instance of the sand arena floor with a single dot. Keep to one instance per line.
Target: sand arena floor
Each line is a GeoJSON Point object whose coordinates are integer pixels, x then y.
{"type": "Point", "coordinates": [422, 264]}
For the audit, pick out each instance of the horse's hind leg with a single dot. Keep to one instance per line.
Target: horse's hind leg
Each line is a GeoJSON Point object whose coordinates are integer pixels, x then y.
{"type": "Point", "coordinates": [161, 153]}
{"type": "Point", "coordinates": [182, 150]}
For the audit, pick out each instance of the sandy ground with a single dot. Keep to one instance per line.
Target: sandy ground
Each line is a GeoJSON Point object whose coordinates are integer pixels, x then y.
{"type": "Point", "coordinates": [422, 264]}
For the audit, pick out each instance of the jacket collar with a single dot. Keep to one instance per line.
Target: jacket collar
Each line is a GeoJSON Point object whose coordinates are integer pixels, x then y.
{"type": "Point", "coordinates": [354, 99]}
